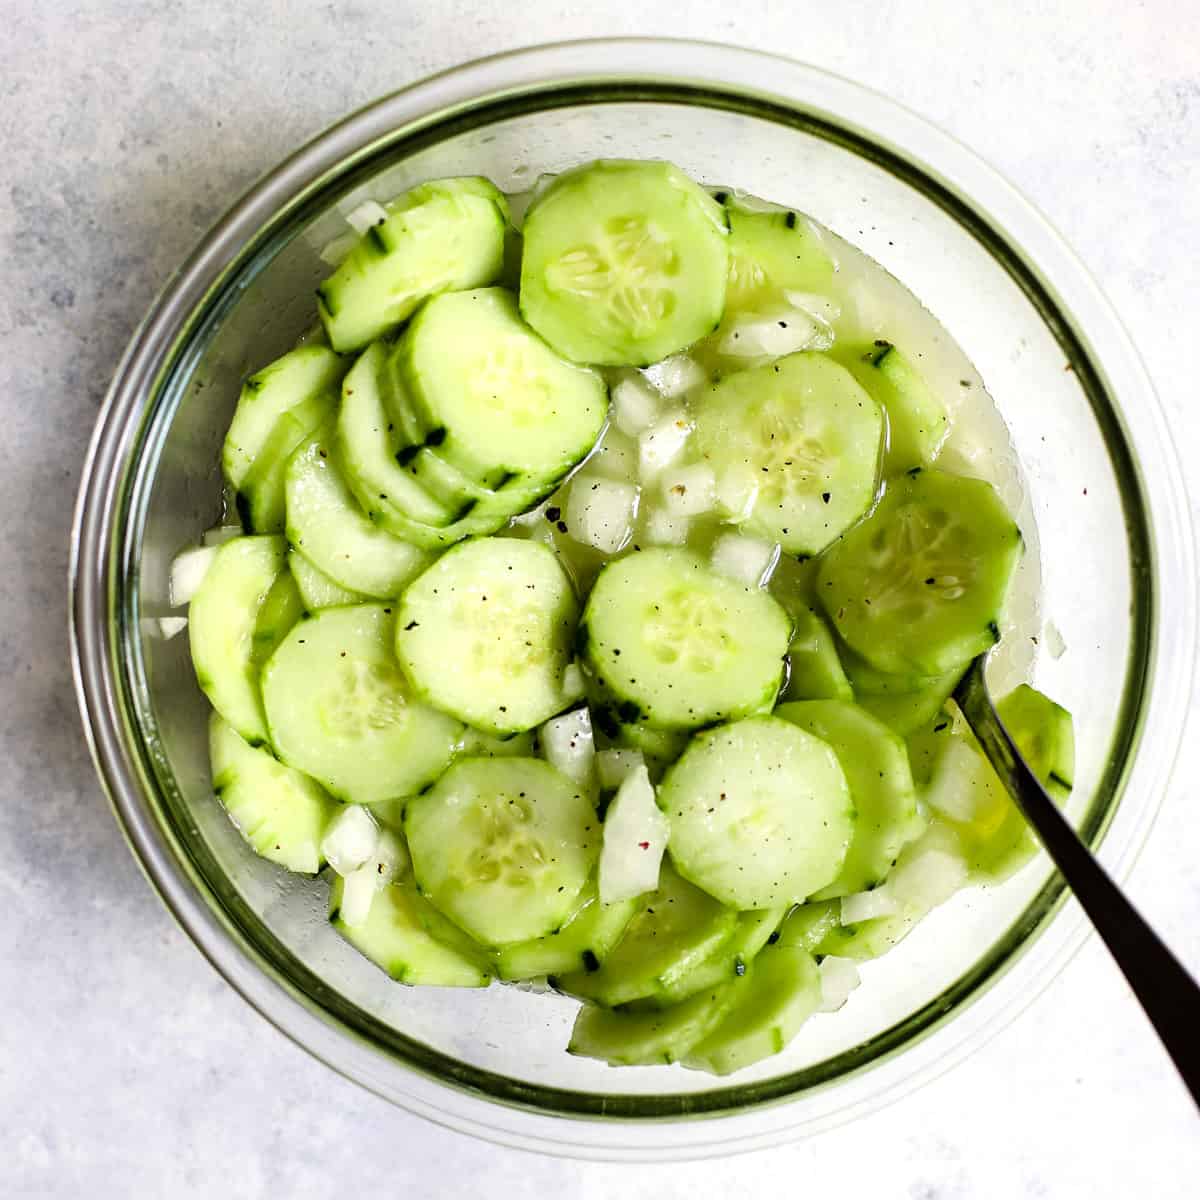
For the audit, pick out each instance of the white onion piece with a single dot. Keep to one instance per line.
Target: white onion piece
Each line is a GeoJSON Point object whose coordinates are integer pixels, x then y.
{"type": "Point", "coordinates": [533, 518]}
{"type": "Point", "coordinates": [688, 491]}
{"type": "Point", "coordinates": [358, 894]}
{"type": "Point", "coordinates": [601, 512]}
{"type": "Point", "coordinates": [615, 455]}
{"type": "Point", "coordinates": [574, 687]}
{"type": "Point", "coordinates": [675, 375]}
{"type": "Point", "coordinates": [821, 308]}
{"type": "Point", "coordinates": [188, 571]}
{"type": "Point", "coordinates": [665, 529]}
{"type": "Point", "coordinates": [661, 444]}
{"type": "Point", "coordinates": [612, 766]}
{"type": "Point", "coordinates": [170, 627]}
{"type": "Point", "coordinates": [744, 559]}
{"type": "Point", "coordinates": [567, 743]}
{"type": "Point", "coordinates": [220, 534]}
{"type": "Point", "coordinates": [334, 252]}
{"type": "Point", "coordinates": [771, 335]}
{"type": "Point", "coordinates": [634, 405]}
{"type": "Point", "coordinates": [866, 906]}
{"type": "Point", "coordinates": [365, 216]}
{"type": "Point", "coordinates": [736, 494]}
{"type": "Point", "coordinates": [930, 870]}
{"type": "Point", "coordinates": [839, 977]}
{"type": "Point", "coordinates": [964, 787]}
{"type": "Point", "coordinates": [390, 858]}
{"type": "Point", "coordinates": [350, 839]}
{"type": "Point", "coordinates": [635, 838]}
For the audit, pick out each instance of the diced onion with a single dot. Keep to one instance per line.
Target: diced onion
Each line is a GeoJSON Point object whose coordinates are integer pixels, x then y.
{"type": "Point", "coordinates": [574, 687]}
{"type": "Point", "coordinates": [368, 214]}
{"type": "Point", "coordinates": [964, 787]}
{"type": "Point", "coordinates": [688, 491]}
{"type": "Point", "coordinates": [188, 571]}
{"type": "Point", "coordinates": [169, 627]}
{"type": "Point", "coordinates": [612, 766]}
{"type": "Point", "coordinates": [333, 253]}
{"type": "Point", "coordinates": [601, 512]}
{"type": "Point", "coordinates": [532, 518]}
{"type": "Point", "coordinates": [661, 444]}
{"type": "Point", "coordinates": [358, 894]}
{"type": "Point", "coordinates": [745, 559]}
{"type": "Point", "coordinates": [634, 405]}
{"type": "Point", "coordinates": [350, 839]}
{"type": "Point", "coordinates": [929, 872]}
{"type": "Point", "coordinates": [635, 838]}
{"type": "Point", "coordinates": [567, 743]}
{"type": "Point", "coordinates": [665, 529]}
{"type": "Point", "coordinates": [821, 308]}
{"type": "Point", "coordinates": [736, 494]}
{"type": "Point", "coordinates": [866, 906]}
{"type": "Point", "coordinates": [615, 455]}
{"type": "Point", "coordinates": [839, 977]}
{"type": "Point", "coordinates": [220, 534]}
{"type": "Point", "coordinates": [675, 375]}
{"type": "Point", "coordinates": [771, 335]}
{"type": "Point", "coordinates": [390, 858]}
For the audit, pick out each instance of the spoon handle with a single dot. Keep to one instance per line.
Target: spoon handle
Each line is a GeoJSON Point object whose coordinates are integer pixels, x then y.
{"type": "Point", "coordinates": [1170, 996]}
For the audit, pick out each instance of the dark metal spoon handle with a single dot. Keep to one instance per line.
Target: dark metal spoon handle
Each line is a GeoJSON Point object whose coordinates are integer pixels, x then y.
{"type": "Point", "coordinates": [1170, 996]}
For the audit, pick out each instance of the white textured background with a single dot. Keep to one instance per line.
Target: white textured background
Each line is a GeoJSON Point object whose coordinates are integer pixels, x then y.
{"type": "Point", "coordinates": [127, 1068]}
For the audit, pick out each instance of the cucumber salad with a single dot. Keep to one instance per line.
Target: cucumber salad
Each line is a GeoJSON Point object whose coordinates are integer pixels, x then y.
{"type": "Point", "coordinates": [595, 581]}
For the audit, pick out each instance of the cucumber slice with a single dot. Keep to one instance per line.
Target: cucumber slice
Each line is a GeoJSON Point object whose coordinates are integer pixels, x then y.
{"type": "Point", "coordinates": [326, 525]}
{"type": "Point", "coordinates": [659, 747]}
{"type": "Point", "coordinates": [339, 708]}
{"type": "Point", "coordinates": [280, 610]}
{"type": "Point", "coordinates": [674, 929]}
{"type": "Point", "coordinates": [918, 587]}
{"type": "Point", "coordinates": [583, 943]}
{"type": "Point", "coordinates": [409, 939]}
{"type": "Point", "coordinates": [636, 1039]}
{"type": "Point", "coordinates": [803, 438]}
{"type": "Point", "coordinates": [730, 960]}
{"type": "Point", "coordinates": [262, 500]}
{"type": "Point", "coordinates": [1045, 736]}
{"type": "Point", "coordinates": [502, 399]}
{"type": "Point", "coordinates": [772, 252]}
{"type": "Point", "coordinates": [766, 1008]}
{"type": "Point", "coordinates": [678, 645]}
{"type": "Point", "coordinates": [486, 633]}
{"type": "Point", "coordinates": [814, 670]}
{"type": "Point", "coordinates": [808, 925]}
{"type": "Point", "coordinates": [449, 486]}
{"type": "Point", "coordinates": [760, 813]}
{"type": "Point", "coordinates": [317, 590]}
{"type": "Point", "coordinates": [308, 371]}
{"type": "Point", "coordinates": [221, 624]}
{"type": "Point", "coordinates": [624, 262]}
{"type": "Point", "coordinates": [443, 235]}
{"type": "Point", "coordinates": [875, 762]}
{"type": "Point", "coordinates": [503, 846]}
{"type": "Point", "coordinates": [281, 813]}
{"type": "Point", "coordinates": [917, 421]}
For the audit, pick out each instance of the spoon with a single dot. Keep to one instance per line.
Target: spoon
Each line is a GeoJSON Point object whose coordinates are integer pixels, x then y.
{"type": "Point", "coordinates": [1169, 995]}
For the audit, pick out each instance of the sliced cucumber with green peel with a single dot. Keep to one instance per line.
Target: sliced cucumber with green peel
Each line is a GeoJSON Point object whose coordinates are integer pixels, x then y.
{"type": "Point", "coordinates": [730, 960]}
{"type": "Point", "coordinates": [443, 235]}
{"type": "Point", "coordinates": [674, 929]}
{"type": "Point", "coordinates": [1045, 736]}
{"type": "Point", "coordinates": [815, 671]}
{"type": "Point", "coordinates": [327, 526]}
{"type": "Point", "coordinates": [318, 590]}
{"type": "Point", "coordinates": [503, 846]}
{"type": "Point", "coordinates": [679, 646]}
{"type": "Point", "coordinates": [262, 498]}
{"type": "Point", "coordinates": [339, 708]}
{"type": "Point", "coordinates": [503, 401]}
{"type": "Point", "coordinates": [486, 633]}
{"type": "Point", "coordinates": [766, 1008]}
{"type": "Point", "coordinates": [643, 1039]}
{"type": "Point", "coordinates": [221, 624]}
{"type": "Point", "coordinates": [760, 813]}
{"type": "Point", "coordinates": [282, 814]}
{"type": "Point", "coordinates": [582, 944]}
{"type": "Point", "coordinates": [281, 609]}
{"type": "Point", "coordinates": [906, 712]}
{"type": "Point", "coordinates": [919, 586]}
{"type": "Point", "coordinates": [624, 262]}
{"type": "Point", "coordinates": [308, 371]}
{"type": "Point", "coordinates": [803, 438]}
{"type": "Point", "coordinates": [808, 925]}
{"type": "Point", "coordinates": [409, 939]}
{"type": "Point", "coordinates": [772, 252]}
{"type": "Point", "coordinates": [917, 421]}
{"type": "Point", "coordinates": [875, 762]}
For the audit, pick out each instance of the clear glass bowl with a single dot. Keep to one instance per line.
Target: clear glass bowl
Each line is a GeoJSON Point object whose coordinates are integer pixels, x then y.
{"type": "Point", "coordinates": [1118, 577]}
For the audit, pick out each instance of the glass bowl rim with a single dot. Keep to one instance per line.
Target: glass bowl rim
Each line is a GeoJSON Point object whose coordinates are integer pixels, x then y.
{"type": "Point", "coordinates": [111, 688]}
